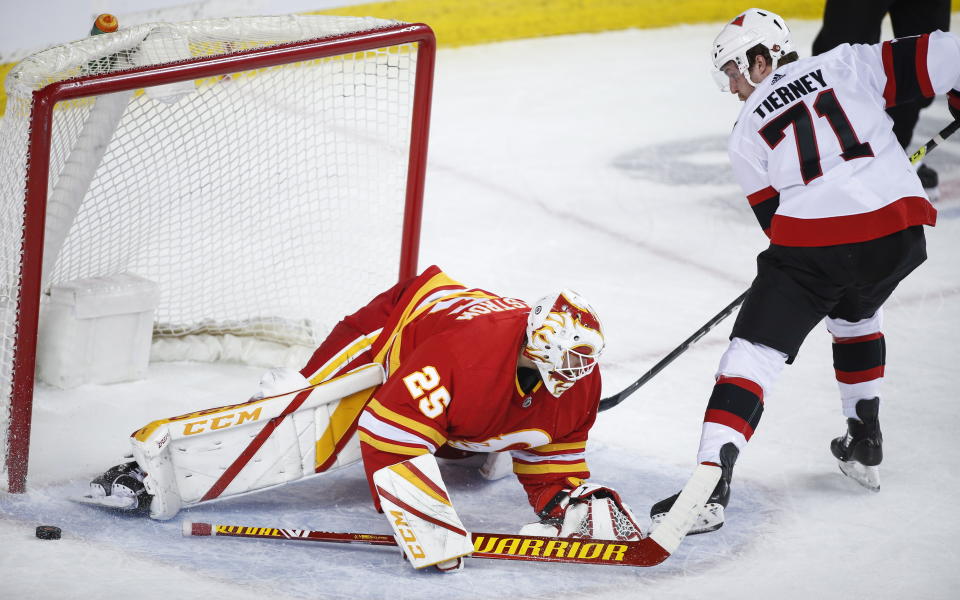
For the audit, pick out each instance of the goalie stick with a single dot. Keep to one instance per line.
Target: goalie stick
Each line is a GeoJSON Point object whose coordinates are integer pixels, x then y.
{"type": "Point", "coordinates": [608, 403]}
{"type": "Point", "coordinates": [650, 551]}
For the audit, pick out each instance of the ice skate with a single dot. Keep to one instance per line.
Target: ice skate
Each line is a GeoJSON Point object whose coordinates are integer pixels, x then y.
{"type": "Point", "coordinates": [860, 450]}
{"type": "Point", "coordinates": [711, 517]}
{"type": "Point", "coordinates": [119, 488]}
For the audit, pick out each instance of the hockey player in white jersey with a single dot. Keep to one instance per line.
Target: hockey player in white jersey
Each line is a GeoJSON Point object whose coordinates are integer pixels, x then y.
{"type": "Point", "coordinates": [814, 152]}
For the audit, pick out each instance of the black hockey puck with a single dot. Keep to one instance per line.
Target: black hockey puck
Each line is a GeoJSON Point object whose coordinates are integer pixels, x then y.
{"type": "Point", "coordinates": [48, 532]}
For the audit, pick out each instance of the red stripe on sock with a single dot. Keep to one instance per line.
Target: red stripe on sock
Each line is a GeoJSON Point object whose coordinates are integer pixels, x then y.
{"type": "Point", "coordinates": [728, 419]}
{"type": "Point", "coordinates": [751, 386]}
{"type": "Point", "coordinates": [859, 376]}
{"type": "Point", "coordinates": [856, 340]}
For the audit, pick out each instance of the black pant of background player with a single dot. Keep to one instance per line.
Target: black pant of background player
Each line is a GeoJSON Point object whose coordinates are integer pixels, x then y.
{"type": "Point", "coordinates": [858, 22]}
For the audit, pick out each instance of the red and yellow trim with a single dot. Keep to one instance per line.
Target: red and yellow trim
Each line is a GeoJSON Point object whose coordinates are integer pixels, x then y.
{"type": "Point", "coordinates": [424, 430]}
{"type": "Point", "coordinates": [390, 447]}
{"type": "Point", "coordinates": [566, 448]}
{"type": "Point", "coordinates": [548, 468]}
{"type": "Point", "coordinates": [342, 358]}
{"type": "Point", "coordinates": [419, 480]}
{"type": "Point", "coordinates": [343, 422]}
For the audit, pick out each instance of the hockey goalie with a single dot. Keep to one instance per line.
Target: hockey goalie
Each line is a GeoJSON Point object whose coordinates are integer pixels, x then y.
{"type": "Point", "coordinates": [429, 368]}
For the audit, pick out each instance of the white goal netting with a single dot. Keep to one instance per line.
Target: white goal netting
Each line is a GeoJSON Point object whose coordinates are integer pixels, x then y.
{"type": "Point", "coordinates": [266, 202]}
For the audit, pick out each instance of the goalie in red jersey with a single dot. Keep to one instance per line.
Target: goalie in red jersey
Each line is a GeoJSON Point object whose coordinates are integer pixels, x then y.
{"type": "Point", "coordinates": [465, 371]}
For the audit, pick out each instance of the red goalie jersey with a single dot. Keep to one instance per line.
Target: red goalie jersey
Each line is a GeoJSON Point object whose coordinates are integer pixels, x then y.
{"type": "Point", "coordinates": [450, 354]}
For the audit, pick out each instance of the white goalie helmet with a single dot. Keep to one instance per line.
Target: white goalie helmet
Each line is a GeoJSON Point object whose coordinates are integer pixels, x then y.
{"type": "Point", "coordinates": [753, 26]}
{"type": "Point", "coordinates": [564, 339]}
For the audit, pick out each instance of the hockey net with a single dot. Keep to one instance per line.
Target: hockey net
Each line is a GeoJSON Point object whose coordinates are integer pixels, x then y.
{"type": "Point", "coordinates": [265, 172]}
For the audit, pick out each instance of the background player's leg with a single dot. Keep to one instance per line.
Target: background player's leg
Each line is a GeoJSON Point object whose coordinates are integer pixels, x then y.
{"type": "Point", "coordinates": [850, 22]}
{"type": "Point", "coordinates": [914, 17]}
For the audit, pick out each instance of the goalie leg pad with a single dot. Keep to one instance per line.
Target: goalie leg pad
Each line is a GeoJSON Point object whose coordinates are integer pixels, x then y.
{"type": "Point", "coordinates": [241, 448]}
{"type": "Point", "coordinates": [424, 521]}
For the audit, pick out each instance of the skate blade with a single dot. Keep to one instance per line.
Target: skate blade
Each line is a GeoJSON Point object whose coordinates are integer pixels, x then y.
{"type": "Point", "coordinates": [868, 477]}
{"type": "Point", "coordinates": [110, 502]}
{"type": "Point", "coordinates": [710, 519]}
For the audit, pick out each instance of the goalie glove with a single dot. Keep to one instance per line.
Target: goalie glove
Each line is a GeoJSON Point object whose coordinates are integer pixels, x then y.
{"type": "Point", "coordinates": [590, 511]}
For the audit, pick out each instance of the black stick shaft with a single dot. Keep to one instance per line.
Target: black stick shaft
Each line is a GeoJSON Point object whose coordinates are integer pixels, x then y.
{"type": "Point", "coordinates": [608, 403]}
{"type": "Point", "coordinates": [935, 141]}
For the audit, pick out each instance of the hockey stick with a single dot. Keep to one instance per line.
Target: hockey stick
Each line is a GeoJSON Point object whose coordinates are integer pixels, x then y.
{"type": "Point", "coordinates": [651, 550]}
{"type": "Point", "coordinates": [935, 141]}
{"type": "Point", "coordinates": [608, 403]}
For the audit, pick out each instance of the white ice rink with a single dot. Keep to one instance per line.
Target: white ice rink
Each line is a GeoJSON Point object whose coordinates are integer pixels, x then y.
{"type": "Point", "coordinates": [594, 162]}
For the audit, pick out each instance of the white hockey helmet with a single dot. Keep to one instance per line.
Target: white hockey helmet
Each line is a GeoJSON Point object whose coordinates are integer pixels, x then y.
{"type": "Point", "coordinates": [753, 26]}
{"type": "Point", "coordinates": [564, 339]}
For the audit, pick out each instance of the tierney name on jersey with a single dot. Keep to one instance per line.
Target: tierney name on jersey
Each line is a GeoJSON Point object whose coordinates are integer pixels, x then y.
{"type": "Point", "coordinates": [791, 92]}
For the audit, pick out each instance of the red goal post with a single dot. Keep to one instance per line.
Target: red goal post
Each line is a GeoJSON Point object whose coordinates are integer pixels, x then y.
{"type": "Point", "coordinates": [377, 76]}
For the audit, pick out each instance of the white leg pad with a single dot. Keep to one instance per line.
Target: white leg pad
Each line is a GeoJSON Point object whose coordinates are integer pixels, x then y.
{"type": "Point", "coordinates": [415, 502]}
{"type": "Point", "coordinates": [242, 448]}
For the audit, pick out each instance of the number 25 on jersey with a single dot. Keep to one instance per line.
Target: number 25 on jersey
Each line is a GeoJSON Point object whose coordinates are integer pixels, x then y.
{"type": "Point", "coordinates": [424, 385]}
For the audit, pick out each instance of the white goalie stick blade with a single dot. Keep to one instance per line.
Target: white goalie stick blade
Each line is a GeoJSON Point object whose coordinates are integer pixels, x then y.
{"type": "Point", "coordinates": [647, 552]}
{"type": "Point", "coordinates": [671, 530]}
{"type": "Point", "coordinates": [868, 477]}
{"type": "Point", "coordinates": [711, 518]}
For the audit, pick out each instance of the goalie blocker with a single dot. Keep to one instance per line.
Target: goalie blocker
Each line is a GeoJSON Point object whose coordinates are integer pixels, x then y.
{"type": "Point", "coordinates": [429, 531]}
{"type": "Point", "coordinates": [425, 524]}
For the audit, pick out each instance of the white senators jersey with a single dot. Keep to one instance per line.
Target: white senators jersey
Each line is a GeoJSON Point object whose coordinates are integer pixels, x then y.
{"type": "Point", "coordinates": [814, 149]}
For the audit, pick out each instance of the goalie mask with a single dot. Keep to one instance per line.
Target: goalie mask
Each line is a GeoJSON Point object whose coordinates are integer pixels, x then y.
{"type": "Point", "coordinates": [750, 28]}
{"type": "Point", "coordinates": [564, 339]}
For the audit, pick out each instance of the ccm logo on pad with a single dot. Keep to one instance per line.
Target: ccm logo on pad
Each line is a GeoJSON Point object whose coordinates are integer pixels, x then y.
{"type": "Point", "coordinates": [221, 421]}
{"type": "Point", "coordinates": [407, 534]}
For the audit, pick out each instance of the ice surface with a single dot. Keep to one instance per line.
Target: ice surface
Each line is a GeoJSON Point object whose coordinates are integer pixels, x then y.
{"type": "Point", "coordinates": [594, 162]}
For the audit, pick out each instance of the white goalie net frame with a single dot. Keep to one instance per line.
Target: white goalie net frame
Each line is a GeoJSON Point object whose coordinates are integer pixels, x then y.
{"type": "Point", "coordinates": [265, 172]}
